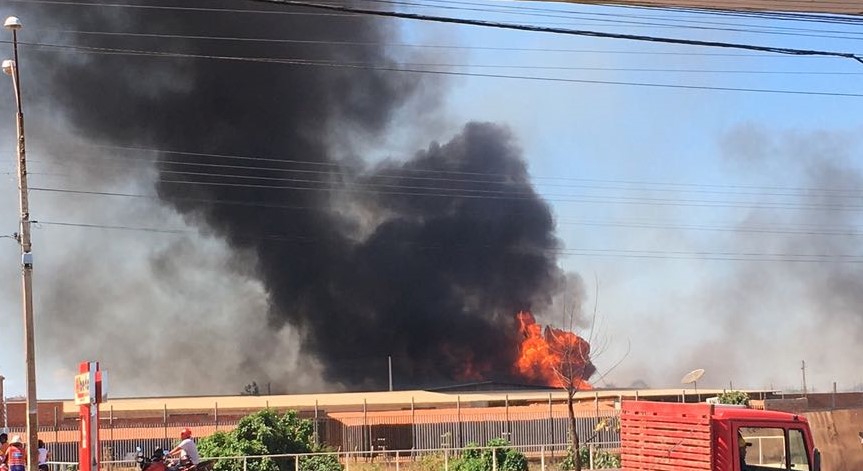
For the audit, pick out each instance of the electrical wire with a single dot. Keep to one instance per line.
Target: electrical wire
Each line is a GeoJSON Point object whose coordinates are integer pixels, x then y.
{"type": "Point", "coordinates": [444, 175]}
{"type": "Point", "coordinates": [617, 253]}
{"type": "Point", "coordinates": [504, 181]}
{"type": "Point", "coordinates": [238, 39]}
{"type": "Point", "coordinates": [611, 19]}
{"type": "Point", "coordinates": [772, 15]}
{"type": "Point", "coordinates": [480, 66]}
{"type": "Point", "coordinates": [597, 34]}
{"type": "Point", "coordinates": [303, 62]}
{"type": "Point", "coordinates": [437, 193]}
{"type": "Point", "coordinates": [522, 27]}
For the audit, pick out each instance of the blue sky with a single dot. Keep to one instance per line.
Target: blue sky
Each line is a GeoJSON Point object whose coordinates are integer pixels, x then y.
{"type": "Point", "coordinates": [670, 199]}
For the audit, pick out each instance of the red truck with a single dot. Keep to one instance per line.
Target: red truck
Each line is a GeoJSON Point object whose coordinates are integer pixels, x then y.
{"type": "Point", "coordinates": [663, 436]}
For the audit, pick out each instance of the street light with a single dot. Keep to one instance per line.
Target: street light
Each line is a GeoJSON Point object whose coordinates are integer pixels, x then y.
{"type": "Point", "coordinates": [10, 67]}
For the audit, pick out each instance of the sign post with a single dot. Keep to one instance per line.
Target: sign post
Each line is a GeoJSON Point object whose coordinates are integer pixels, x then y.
{"type": "Point", "coordinates": [89, 393]}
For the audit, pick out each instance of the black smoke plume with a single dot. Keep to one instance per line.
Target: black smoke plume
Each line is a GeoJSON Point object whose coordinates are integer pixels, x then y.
{"type": "Point", "coordinates": [425, 258]}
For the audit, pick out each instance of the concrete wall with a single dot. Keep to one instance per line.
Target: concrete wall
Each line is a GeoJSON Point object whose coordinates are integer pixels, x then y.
{"type": "Point", "coordinates": [17, 412]}
{"type": "Point", "coordinates": [836, 435]}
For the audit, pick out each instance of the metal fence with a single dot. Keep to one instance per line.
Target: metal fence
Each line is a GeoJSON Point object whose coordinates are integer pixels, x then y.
{"type": "Point", "coordinates": [541, 457]}
{"type": "Point", "coordinates": [363, 433]}
{"type": "Point", "coordinates": [451, 431]}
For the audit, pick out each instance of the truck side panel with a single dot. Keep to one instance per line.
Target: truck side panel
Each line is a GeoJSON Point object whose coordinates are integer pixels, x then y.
{"type": "Point", "coordinates": [665, 436]}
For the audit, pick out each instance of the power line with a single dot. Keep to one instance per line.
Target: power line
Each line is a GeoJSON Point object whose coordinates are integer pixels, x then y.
{"type": "Point", "coordinates": [774, 15]}
{"type": "Point", "coordinates": [376, 44]}
{"type": "Point", "coordinates": [614, 20]}
{"type": "Point", "coordinates": [617, 253]}
{"type": "Point", "coordinates": [515, 26]}
{"type": "Point", "coordinates": [786, 6]}
{"type": "Point", "coordinates": [480, 66]}
{"type": "Point", "coordinates": [357, 189]}
{"type": "Point", "coordinates": [447, 175]}
{"type": "Point", "coordinates": [303, 62]}
{"type": "Point", "coordinates": [503, 181]}
{"type": "Point", "coordinates": [605, 223]}
{"type": "Point", "coordinates": [429, 46]}
{"type": "Point", "coordinates": [597, 34]}
{"type": "Point", "coordinates": [172, 8]}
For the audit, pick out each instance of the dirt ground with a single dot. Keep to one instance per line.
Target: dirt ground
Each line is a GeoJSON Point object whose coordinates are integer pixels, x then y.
{"type": "Point", "coordinates": [836, 435]}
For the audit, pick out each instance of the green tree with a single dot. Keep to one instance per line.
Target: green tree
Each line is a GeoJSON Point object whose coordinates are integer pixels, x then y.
{"type": "Point", "coordinates": [267, 433]}
{"type": "Point", "coordinates": [476, 459]}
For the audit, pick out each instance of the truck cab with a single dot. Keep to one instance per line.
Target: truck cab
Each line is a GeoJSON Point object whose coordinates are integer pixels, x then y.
{"type": "Point", "coordinates": [665, 436]}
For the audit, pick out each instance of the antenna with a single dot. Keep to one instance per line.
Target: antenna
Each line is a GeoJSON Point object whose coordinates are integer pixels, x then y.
{"type": "Point", "coordinates": [693, 377]}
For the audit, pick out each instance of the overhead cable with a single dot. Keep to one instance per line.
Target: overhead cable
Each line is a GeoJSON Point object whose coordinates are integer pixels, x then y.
{"type": "Point", "coordinates": [317, 63]}
{"type": "Point", "coordinates": [617, 253]}
{"type": "Point", "coordinates": [540, 29]}
{"type": "Point", "coordinates": [358, 189]}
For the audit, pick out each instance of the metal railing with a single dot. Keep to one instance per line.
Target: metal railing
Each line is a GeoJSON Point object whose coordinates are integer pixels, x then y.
{"type": "Point", "coordinates": [545, 456]}
{"type": "Point", "coordinates": [359, 434]}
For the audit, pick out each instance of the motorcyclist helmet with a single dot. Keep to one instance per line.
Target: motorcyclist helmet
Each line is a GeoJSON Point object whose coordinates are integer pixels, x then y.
{"type": "Point", "coordinates": [185, 433]}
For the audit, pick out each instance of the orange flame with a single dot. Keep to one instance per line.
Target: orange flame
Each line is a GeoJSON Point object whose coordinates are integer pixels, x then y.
{"type": "Point", "coordinates": [552, 356]}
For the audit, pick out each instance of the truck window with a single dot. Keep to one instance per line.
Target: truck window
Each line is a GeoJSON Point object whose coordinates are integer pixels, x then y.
{"type": "Point", "coordinates": [763, 448]}
{"type": "Point", "coordinates": [797, 447]}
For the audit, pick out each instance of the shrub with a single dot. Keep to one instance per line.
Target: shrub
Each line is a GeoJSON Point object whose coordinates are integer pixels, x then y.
{"type": "Point", "coordinates": [320, 463]}
{"type": "Point", "coordinates": [733, 397]}
{"type": "Point", "coordinates": [602, 459]}
{"type": "Point", "coordinates": [477, 459]}
{"type": "Point", "coordinates": [431, 462]}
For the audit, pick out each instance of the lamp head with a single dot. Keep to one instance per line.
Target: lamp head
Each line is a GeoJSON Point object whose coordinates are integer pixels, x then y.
{"type": "Point", "coordinates": [8, 66]}
{"type": "Point", "coordinates": [13, 23]}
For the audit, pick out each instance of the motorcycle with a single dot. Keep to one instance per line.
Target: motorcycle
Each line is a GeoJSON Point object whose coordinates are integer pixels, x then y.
{"type": "Point", "coordinates": [160, 461]}
{"type": "Point", "coordinates": [156, 462]}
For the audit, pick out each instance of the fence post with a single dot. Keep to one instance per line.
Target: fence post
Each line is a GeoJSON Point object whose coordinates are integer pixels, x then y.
{"type": "Point", "coordinates": [413, 424]}
{"type": "Point", "coordinates": [446, 459]}
{"type": "Point", "coordinates": [506, 410]}
{"type": "Point", "coordinates": [458, 413]}
{"type": "Point", "coordinates": [111, 432]}
{"type": "Point", "coordinates": [245, 464]}
{"type": "Point", "coordinates": [494, 459]}
{"type": "Point", "coordinates": [590, 455]}
{"type": "Point", "coordinates": [317, 432]}
{"type": "Point", "coordinates": [596, 403]}
{"type": "Point", "coordinates": [550, 424]}
{"type": "Point", "coordinates": [397, 460]}
{"type": "Point", "coordinates": [216, 415]}
{"type": "Point", "coordinates": [56, 425]}
{"type": "Point", "coordinates": [542, 458]}
{"type": "Point", "coordinates": [296, 462]}
{"type": "Point", "coordinates": [366, 434]}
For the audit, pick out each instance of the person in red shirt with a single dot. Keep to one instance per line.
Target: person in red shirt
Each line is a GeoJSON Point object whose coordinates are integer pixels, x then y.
{"type": "Point", "coordinates": [16, 458]}
{"type": "Point", "coordinates": [4, 444]}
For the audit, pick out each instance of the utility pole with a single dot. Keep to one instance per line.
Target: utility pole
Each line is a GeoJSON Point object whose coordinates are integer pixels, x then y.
{"type": "Point", "coordinates": [11, 67]}
{"type": "Point", "coordinates": [390, 365]}
{"type": "Point", "coordinates": [803, 369]}
{"type": "Point", "coordinates": [5, 421]}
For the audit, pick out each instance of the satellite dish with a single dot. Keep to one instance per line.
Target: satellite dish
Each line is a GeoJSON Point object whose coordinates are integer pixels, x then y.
{"type": "Point", "coordinates": [693, 377]}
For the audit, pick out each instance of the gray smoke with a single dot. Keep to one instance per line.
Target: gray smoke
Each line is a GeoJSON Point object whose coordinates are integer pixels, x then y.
{"type": "Point", "coordinates": [425, 258]}
{"type": "Point", "coordinates": [792, 289]}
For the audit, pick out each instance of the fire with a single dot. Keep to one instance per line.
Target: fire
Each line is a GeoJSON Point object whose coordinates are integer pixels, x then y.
{"type": "Point", "coordinates": [552, 356]}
